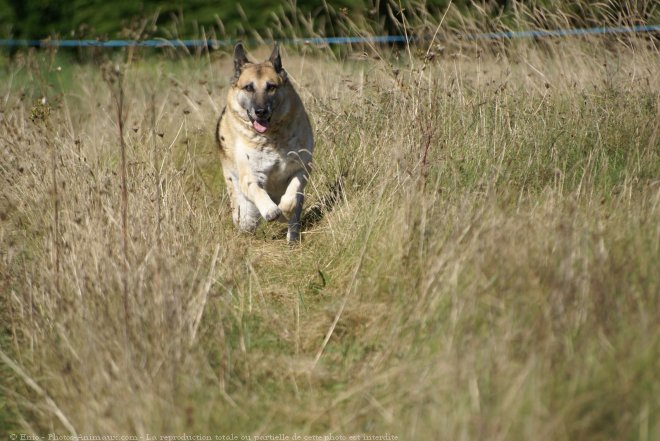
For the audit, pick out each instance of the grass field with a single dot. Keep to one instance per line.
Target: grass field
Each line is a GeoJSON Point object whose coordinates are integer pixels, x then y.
{"type": "Point", "coordinates": [479, 259]}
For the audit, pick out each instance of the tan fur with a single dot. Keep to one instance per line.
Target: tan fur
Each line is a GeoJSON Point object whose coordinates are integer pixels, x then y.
{"type": "Point", "coordinates": [266, 172]}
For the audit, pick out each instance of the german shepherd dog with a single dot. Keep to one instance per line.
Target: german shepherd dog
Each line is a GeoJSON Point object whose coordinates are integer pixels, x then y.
{"type": "Point", "coordinates": [266, 144]}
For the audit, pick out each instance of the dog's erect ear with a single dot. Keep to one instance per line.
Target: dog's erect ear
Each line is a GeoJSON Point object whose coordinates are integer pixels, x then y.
{"type": "Point", "coordinates": [239, 59]}
{"type": "Point", "coordinates": [275, 58]}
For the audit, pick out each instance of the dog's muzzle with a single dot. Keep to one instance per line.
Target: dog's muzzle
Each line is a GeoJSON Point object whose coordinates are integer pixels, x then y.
{"type": "Point", "coordinates": [260, 120]}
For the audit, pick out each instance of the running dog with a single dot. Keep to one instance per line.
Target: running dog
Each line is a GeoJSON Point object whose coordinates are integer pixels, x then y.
{"type": "Point", "coordinates": [266, 144]}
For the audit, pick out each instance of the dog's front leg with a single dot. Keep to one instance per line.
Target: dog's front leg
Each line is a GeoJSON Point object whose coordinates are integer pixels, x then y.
{"type": "Point", "coordinates": [291, 203]}
{"type": "Point", "coordinates": [290, 200]}
{"type": "Point", "coordinates": [251, 187]}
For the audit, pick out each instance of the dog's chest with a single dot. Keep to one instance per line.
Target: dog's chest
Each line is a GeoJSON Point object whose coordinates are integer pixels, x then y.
{"type": "Point", "coordinates": [270, 165]}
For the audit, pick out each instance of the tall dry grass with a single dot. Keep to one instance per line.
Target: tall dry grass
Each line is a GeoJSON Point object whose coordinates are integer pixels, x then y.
{"type": "Point", "coordinates": [479, 258]}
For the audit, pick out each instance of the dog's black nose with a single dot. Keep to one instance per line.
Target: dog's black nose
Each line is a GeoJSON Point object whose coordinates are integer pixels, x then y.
{"type": "Point", "coordinates": [261, 113]}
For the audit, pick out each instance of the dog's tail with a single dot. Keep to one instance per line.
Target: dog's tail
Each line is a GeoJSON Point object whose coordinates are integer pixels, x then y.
{"type": "Point", "coordinates": [218, 139]}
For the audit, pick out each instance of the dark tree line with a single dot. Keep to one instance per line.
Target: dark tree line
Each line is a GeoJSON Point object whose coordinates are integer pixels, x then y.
{"type": "Point", "coordinates": [226, 19]}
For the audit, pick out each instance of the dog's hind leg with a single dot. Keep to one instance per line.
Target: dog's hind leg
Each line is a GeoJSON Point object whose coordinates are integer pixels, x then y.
{"type": "Point", "coordinates": [247, 214]}
{"type": "Point", "coordinates": [233, 194]}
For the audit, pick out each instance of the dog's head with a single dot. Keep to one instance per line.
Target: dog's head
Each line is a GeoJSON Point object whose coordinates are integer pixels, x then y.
{"type": "Point", "coordinates": [259, 88]}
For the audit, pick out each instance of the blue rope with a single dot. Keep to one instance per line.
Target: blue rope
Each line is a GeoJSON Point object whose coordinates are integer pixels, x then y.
{"type": "Point", "coordinates": [162, 43]}
{"type": "Point", "coordinates": [563, 32]}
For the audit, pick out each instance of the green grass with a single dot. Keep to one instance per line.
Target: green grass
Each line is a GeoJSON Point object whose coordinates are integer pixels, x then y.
{"type": "Point", "coordinates": [479, 259]}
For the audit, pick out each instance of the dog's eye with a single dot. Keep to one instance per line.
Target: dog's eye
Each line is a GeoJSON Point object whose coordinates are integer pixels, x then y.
{"type": "Point", "coordinates": [248, 87]}
{"type": "Point", "coordinates": [270, 87]}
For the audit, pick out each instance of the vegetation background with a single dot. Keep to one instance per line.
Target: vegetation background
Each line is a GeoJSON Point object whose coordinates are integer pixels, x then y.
{"type": "Point", "coordinates": [38, 19]}
{"type": "Point", "coordinates": [480, 246]}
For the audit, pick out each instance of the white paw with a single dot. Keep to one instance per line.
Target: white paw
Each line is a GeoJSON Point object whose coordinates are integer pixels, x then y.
{"type": "Point", "coordinates": [287, 205]}
{"type": "Point", "coordinates": [272, 213]}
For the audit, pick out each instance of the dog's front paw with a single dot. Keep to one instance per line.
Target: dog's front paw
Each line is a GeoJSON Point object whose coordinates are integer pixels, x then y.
{"type": "Point", "coordinates": [272, 213]}
{"type": "Point", "coordinates": [287, 205]}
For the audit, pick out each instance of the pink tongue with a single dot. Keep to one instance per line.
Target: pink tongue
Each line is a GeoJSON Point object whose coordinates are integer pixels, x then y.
{"type": "Point", "coordinates": [259, 127]}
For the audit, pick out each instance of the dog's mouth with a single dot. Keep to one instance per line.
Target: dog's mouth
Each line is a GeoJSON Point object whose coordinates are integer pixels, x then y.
{"type": "Point", "coordinates": [260, 125]}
